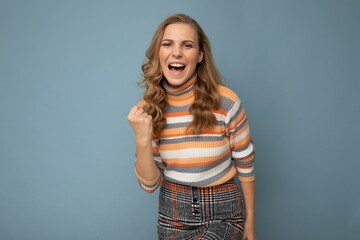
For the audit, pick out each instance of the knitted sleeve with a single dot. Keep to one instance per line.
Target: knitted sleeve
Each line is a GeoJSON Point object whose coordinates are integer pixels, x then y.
{"type": "Point", "coordinates": [242, 146]}
{"type": "Point", "coordinates": [151, 186]}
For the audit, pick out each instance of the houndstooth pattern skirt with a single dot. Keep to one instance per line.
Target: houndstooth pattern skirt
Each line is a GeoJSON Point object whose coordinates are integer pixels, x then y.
{"type": "Point", "coordinates": [186, 213]}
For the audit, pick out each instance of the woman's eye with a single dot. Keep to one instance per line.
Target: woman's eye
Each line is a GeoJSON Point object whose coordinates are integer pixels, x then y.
{"type": "Point", "coordinates": [166, 44]}
{"type": "Point", "coordinates": [188, 45]}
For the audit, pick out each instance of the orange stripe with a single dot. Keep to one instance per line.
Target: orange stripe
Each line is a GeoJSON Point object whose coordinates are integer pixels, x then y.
{"type": "Point", "coordinates": [177, 114]}
{"type": "Point", "coordinates": [173, 132]}
{"type": "Point", "coordinates": [245, 167]}
{"type": "Point", "coordinates": [242, 143]}
{"type": "Point", "coordinates": [155, 150]}
{"type": "Point", "coordinates": [220, 111]}
{"type": "Point", "coordinates": [179, 132]}
{"type": "Point", "coordinates": [237, 120]}
{"type": "Point", "coordinates": [248, 158]}
{"type": "Point", "coordinates": [193, 144]}
{"type": "Point", "coordinates": [241, 130]}
{"type": "Point", "coordinates": [182, 102]}
{"type": "Point", "coordinates": [188, 162]}
{"type": "Point", "coordinates": [228, 93]}
{"type": "Point", "coordinates": [227, 177]}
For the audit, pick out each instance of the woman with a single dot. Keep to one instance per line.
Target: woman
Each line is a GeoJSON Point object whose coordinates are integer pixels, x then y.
{"type": "Point", "coordinates": [192, 138]}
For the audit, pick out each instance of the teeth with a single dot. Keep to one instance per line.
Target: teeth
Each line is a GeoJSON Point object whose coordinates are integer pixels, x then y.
{"type": "Point", "coordinates": [177, 65]}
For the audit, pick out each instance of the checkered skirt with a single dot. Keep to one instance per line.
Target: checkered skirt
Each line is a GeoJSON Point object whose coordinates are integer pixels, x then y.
{"type": "Point", "coordinates": [214, 213]}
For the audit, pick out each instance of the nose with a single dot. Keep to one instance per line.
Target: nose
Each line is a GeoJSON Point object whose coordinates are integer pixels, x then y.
{"type": "Point", "coordinates": [177, 52]}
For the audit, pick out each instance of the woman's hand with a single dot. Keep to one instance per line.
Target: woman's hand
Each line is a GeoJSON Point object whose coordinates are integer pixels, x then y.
{"type": "Point", "coordinates": [249, 230]}
{"type": "Point", "coordinates": [141, 122]}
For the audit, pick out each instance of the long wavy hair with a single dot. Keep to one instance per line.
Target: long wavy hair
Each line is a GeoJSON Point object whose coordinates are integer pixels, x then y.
{"type": "Point", "coordinates": [206, 93]}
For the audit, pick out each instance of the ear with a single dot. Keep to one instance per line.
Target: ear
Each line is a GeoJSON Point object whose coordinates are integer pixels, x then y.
{"type": "Point", "coordinates": [201, 55]}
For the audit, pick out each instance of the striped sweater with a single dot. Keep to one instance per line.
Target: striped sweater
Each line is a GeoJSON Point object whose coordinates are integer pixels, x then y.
{"type": "Point", "coordinates": [207, 159]}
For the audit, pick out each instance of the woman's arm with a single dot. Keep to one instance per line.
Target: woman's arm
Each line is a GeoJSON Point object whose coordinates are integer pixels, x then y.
{"type": "Point", "coordinates": [145, 167]}
{"type": "Point", "coordinates": [248, 189]}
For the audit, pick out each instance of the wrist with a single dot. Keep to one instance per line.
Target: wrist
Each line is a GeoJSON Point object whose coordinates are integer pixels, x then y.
{"type": "Point", "coordinates": [250, 217]}
{"type": "Point", "coordinates": [249, 223]}
{"type": "Point", "coordinates": [143, 142]}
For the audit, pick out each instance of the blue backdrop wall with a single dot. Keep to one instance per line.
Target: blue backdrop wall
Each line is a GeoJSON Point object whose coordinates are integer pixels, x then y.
{"type": "Point", "coordinates": [68, 73]}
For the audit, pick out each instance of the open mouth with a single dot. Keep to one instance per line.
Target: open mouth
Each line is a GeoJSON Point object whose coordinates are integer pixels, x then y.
{"type": "Point", "coordinates": [176, 67]}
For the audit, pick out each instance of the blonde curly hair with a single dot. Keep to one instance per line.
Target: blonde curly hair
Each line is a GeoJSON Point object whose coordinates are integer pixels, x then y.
{"type": "Point", "coordinates": [206, 93]}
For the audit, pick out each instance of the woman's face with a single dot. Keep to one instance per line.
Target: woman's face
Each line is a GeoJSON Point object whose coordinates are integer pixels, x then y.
{"type": "Point", "coordinates": [179, 53]}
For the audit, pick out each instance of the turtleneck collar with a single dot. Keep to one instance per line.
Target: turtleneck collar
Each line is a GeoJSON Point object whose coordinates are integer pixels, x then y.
{"type": "Point", "coordinates": [182, 92]}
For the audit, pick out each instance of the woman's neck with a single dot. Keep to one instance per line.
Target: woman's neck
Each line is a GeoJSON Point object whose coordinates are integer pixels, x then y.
{"type": "Point", "coordinates": [181, 92]}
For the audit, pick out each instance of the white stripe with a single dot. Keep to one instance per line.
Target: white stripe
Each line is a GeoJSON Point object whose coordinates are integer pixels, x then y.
{"type": "Point", "coordinates": [147, 188]}
{"type": "Point", "coordinates": [194, 152]}
{"type": "Point", "coordinates": [157, 159]}
{"type": "Point", "coordinates": [182, 119]}
{"type": "Point", "coordinates": [241, 136]}
{"type": "Point", "coordinates": [189, 118]}
{"type": "Point", "coordinates": [194, 177]}
{"type": "Point", "coordinates": [233, 110]}
{"type": "Point", "coordinates": [245, 170]}
{"type": "Point", "coordinates": [219, 116]}
{"type": "Point", "coordinates": [245, 152]}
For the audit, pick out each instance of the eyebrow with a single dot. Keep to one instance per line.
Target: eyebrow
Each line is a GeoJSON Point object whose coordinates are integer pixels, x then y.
{"type": "Point", "coordinates": [185, 41]}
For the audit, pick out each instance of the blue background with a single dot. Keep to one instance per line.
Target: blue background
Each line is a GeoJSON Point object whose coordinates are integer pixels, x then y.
{"type": "Point", "coordinates": [68, 73]}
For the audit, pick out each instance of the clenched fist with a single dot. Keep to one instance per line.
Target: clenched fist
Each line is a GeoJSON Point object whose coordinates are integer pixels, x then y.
{"type": "Point", "coordinates": [141, 122]}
